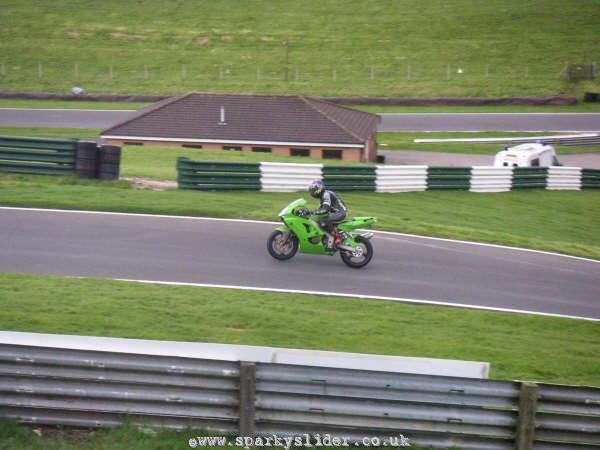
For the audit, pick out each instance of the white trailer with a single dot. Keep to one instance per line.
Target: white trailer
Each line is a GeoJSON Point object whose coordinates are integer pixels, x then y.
{"type": "Point", "coordinates": [527, 155]}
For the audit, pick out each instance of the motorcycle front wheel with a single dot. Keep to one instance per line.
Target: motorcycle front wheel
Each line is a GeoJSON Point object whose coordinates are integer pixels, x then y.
{"type": "Point", "coordinates": [361, 255]}
{"type": "Point", "coordinates": [281, 248]}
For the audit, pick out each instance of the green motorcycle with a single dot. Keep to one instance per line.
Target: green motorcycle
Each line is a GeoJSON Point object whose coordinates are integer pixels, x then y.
{"type": "Point", "coordinates": [302, 232]}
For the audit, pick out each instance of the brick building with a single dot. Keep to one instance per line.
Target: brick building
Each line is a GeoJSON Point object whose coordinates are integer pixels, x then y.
{"type": "Point", "coordinates": [282, 125]}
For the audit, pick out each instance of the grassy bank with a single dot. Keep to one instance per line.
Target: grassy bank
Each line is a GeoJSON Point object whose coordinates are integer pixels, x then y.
{"type": "Point", "coordinates": [410, 48]}
{"type": "Point", "coordinates": [561, 221]}
{"type": "Point", "coordinates": [22, 437]}
{"type": "Point", "coordinates": [517, 346]}
{"type": "Point", "coordinates": [128, 436]}
{"type": "Point", "coordinates": [580, 107]}
{"type": "Point", "coordinates": [406, 141]}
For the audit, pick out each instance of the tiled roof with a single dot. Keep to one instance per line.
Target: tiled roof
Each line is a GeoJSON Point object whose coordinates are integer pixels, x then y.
{"type": "Point", "coordinates": [257, 118]}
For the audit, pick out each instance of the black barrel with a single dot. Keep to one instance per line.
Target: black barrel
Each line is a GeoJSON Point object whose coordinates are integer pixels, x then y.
{"type": "Point", "coordinates": [110, 161]}
{"type": "Point", "coordinates": [86, 159]}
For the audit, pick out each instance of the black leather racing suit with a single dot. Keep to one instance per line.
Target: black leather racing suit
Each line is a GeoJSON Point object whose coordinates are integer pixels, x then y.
{"type": "Point", "coordinates": [333, 205]}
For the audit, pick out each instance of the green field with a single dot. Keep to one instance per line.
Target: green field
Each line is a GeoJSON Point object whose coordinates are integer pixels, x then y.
{"type": "Point", "coordinates": [523, 347]}
{"type": "Point", "coordinates": [14, 436]}
{"type": "Point", "coordinates": [419, 48]}
{"type": "Point", "coordinates": [406, 141]}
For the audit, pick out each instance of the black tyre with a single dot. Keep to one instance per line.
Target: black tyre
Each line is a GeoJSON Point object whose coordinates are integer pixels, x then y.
{"type": "Point", "coordinates": [280, 248]}
{"type": "Point", "coordinates": [361, 257]}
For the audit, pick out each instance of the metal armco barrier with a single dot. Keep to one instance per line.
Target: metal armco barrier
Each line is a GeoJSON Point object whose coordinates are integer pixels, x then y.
{"type": "Point", "coordinates": [83, 388]}
{"type": "Point", "coordinates": [42, 156]}
{"type": "Point", "coordinates": [48, 156]}
{"type": "Point", "coordinates": [78, 387]}
{"type": "Point", "coordinates": [349, 178]}
{"type": "Point", "coordinates": [209, 175]}
{"type": "Point", "coordinates": [564, 178]}
{"type": "Point", "coordinates": [448, 178]}
{"type": "Point", "coordinates": [491, 179]}
{"type": "Point", "coordinates": [529, 177]}
{"type": "Point", "coordinates": [401, 178]}
{"type": "Point", "coordinates": [285, 177]}
{"type": "Point", "coordinates": [590, 179]}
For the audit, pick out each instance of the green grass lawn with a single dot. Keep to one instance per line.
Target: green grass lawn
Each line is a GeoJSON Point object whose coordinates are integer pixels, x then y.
{"type": "Point", "coordinates": [579, 107]}
{"type": "Point", "coordinates": [373, 47]}
{"type": "Point", "coordinates": [41, 132]}
{"type": "Point", "coordinates": [517, 346]}
{"type": "Point", "coordinates": [127, 436]}
{"type": "Point", "coordinates": [22, 437]}
{"type": "Point", "coordinates": [406, 141]}
{"type": "Point", "coordinates": [83, 104]}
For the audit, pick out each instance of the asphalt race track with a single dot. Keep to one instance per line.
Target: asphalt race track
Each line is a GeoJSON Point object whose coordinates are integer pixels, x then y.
{"type": "Point", "coordinates": [472, 122]}
{"type": "Point", "coordinates": [233, 253]}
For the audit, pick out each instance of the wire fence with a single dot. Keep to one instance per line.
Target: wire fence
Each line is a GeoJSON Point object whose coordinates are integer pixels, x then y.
{"type": "Point", "coordinates": [477, 79]}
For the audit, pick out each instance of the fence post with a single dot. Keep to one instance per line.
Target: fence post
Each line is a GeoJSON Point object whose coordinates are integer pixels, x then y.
{"type": "Point", "coordinates": [247, 394]}
{"type": "Point", "coordinates": [528, 398]}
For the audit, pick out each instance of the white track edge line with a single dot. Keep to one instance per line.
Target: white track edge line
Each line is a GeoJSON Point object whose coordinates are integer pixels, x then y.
{"type": "Point", "coordinates": [217, 219]}
{"type": "Point", "coordinates": [356, 296]}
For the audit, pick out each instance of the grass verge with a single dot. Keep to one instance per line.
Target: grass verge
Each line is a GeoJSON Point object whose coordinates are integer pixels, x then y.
{"type": "Point", "coordinates": [376, 109]}
{"type": "Point", "coordinates": [128, 436]}
{"type": "Point", "coordinates": [80, 104]}
{"type": "Point", "coordinates": [517, 346]}
{"type": "Point", "coordinates": [405, 141]}
{"type": "Point", "coordinates": [417, 48]}
{"type": "Point", "coordinates": [79, 133]}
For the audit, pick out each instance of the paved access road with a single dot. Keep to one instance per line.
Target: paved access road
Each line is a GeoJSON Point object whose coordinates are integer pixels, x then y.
{"type": "Point", "coordinates": [62, 118]}
{"type": "Point", "coordinates": [226, 252]}
{"type": "Point", "coordinates": [519, 122]}
{"type": "Point", "coordinates": [577, 122]}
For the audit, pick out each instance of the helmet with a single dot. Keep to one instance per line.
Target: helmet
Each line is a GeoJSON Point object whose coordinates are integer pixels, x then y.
{"type": "Point", "coordinates": [316, 188]}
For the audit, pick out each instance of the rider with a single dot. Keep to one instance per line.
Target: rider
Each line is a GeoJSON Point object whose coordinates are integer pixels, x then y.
{"type": "Point", "coordinates": [331, 204]}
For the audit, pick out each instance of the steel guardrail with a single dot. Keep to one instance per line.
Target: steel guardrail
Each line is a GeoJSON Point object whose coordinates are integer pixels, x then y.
{"type": "Point", "coordinates": [92, 388]}
{"type": "Point", "coordinates": [42, 156]}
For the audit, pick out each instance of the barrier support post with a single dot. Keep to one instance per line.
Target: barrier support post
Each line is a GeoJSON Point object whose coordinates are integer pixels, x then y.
{"type": "Point", "coordinates": [528, 399]}
{"type": "Point", "coordinates": [247, 395]}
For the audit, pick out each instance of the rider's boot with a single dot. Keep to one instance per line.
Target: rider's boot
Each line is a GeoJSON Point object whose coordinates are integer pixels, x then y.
{"type": "Point", "coordinates": [336, 235]}
{"type": "Point", "coordinates": [328, 241]}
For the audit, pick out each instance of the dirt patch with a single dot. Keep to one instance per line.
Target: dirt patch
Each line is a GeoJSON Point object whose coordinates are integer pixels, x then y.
{"type": "Point", "coordinates": [155, 185]}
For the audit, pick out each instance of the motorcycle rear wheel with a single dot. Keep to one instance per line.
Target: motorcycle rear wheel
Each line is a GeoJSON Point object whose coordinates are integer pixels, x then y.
{"type": "Point", "coordinates": [280, 248]}
{"type": "Point", "coordinates": [361, 257]}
